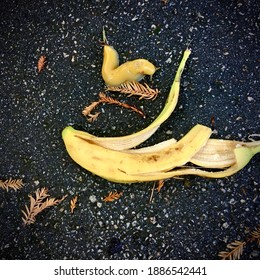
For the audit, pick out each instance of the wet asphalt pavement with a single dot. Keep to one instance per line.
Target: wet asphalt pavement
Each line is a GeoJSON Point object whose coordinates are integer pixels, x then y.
{"type": "Point", "coordinates": [192, 218]}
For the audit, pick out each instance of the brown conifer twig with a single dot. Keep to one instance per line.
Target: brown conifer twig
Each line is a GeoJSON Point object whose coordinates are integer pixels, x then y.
{"type": "Point", "coordinates": [87, 110]}
{"type": "Point", "coordinates": [10, 183]}
{"type": "Point", "coordinates": [112, 196]}
{"type": "Point", "coordinates": [73, 204]}
{"type": "Point", "coordinates": [41, 63]}
{"type": "Point", "coordinates": [255, 236]}
{"type": "Point", "coordinates": [235, 250]}
{"type": "Point", "coordinates": [135, 88]}
{"type": "Point", "coordinates": [110, 100]}
{"type": "Point", "coordinates": [38, 204]}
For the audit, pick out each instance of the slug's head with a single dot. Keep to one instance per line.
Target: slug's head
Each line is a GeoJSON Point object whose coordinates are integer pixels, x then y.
{"type": "Point", "coordinates": [144, 67]}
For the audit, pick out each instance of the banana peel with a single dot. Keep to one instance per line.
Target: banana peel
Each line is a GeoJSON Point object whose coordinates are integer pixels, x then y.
{"type": "Point", "coordinates": [164, 162]}
{"type": "Point", "coordinates": [115, 165]}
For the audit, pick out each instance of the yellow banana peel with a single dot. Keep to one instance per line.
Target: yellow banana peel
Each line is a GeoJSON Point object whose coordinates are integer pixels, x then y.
{"type": "Point", "coordinates": [116, 164]}
{"type": "Point", "coordinates": [166, 162]}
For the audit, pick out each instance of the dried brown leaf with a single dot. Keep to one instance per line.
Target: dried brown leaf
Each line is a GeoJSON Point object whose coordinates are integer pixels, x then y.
{"type": "Point", "coordinates": [112, 196]}
{"type": "Point", "coordinates": [38, 204]}
{"type": "Point", "coordinates": [135, 88]}
{"type": "Point", "coordinates": [14, 184]}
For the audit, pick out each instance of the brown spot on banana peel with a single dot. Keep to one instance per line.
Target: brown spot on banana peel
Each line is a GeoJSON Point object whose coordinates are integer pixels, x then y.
{"type": "Point", "coordinates": [153, 158]}
{"type": "Point", "coordinates": [97, 158]}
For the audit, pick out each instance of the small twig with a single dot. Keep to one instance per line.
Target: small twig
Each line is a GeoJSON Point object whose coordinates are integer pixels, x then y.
{"type": "Point", "coordinates": [151, 196]}
{"type": "Point", "coordinates": [109, 100]}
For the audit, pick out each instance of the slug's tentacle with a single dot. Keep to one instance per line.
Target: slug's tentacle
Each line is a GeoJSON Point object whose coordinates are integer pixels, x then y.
{"type": "Point", "coordinates": [110, 61]}
{"type": "Point", "coordinates": [114, 75]}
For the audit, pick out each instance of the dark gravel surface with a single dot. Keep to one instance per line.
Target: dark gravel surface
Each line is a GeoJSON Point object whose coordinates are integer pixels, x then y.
{"type": "Point", "coordinates": [193, 218]}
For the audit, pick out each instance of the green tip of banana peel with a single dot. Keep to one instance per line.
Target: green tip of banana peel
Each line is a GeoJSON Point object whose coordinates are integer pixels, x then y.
{"type": "Point", "coordinates": [133, 140]}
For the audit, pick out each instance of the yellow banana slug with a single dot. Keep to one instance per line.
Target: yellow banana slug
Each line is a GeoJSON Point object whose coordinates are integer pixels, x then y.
{"type": "Point", "coordinates": [134, 70]}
